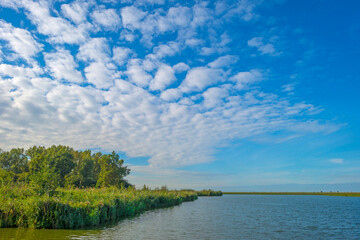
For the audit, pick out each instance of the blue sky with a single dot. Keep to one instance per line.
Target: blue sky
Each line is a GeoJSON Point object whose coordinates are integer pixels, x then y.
{"type": "Point", "coordinates": [193, 94]}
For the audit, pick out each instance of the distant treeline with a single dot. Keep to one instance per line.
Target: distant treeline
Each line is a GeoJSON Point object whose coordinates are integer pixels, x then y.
{"type": "Point", "coordinates": [209, 193]}
{"type": "Point", "coordinates": [20, 206]}
{"type": "Point", "coordinates": [45, 169]}
{"type": "Point", "coordinates": [205, 192]}
{"type": "Point", "coordinates": [340, 194]}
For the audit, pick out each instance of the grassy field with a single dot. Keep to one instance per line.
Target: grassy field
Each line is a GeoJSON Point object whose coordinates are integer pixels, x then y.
{"type": "Point", "coordinates": [74, 208]}
{"type": "Point", "coordinates": [343, 194]}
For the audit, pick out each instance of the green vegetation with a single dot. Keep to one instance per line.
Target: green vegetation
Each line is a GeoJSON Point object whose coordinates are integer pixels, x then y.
{"type": "Point", "coordinates": [209, 193]}
{"type": "Point", "coordinates": [58, 187]}
{"type": "Point", "coordinates": [343, 194]}
{"type": "Point", "coordinates": [73, 208]}
{"type": "Point", "coordinates": [46, 169]}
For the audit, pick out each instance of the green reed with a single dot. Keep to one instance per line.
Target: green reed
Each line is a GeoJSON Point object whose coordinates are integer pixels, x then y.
{"type": "Point", "coordinates": [74, 208]}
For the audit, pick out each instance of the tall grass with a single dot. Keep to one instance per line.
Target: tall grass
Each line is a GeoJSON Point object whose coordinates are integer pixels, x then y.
{"type": "Point", "coordinates": [74, 208]}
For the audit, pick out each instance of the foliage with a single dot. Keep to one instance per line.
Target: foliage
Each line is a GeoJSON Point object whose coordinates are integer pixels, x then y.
{"type": "Point", "coordinates": [112, 171]}
{"type": "Point", "coordinates": [45, 169]}
{"type": "Point", "coordinates": [73, 208]}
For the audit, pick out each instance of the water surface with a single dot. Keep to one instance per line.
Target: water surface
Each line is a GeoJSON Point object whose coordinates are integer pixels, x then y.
{"type": "Point", "coordinates": [228, 217]}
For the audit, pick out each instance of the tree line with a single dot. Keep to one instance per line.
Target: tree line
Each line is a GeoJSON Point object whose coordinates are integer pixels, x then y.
{"type": "Point", "coordinates": [46, 169]}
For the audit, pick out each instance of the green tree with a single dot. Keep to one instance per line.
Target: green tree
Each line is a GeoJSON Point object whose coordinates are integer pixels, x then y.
{"type": "Point", "coordinates": [14, 165]}
{"type": "Point", "coordinates": [112, 171]}
{"type": "Point", "coordinates": [83, 175]}
{"type": "Point", "coordinates": [14, 160]}
{"type": "Point", "coordinates": [59, 159]}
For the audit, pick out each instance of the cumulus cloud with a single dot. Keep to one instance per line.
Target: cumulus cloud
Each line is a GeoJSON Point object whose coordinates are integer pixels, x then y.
{"type": "Point", "coordinates": [245, 79]}
{"type": "Point", "coordinates": [164, 76]}
{"type": "Point", "coordinates": [137, 74]}
{"type": "Point", "coordinates": [7, 70]}
{"type": "Point", "coordinates": [224, 61]}
{"type": "Point", "coordinates": [197, 79]}
{"type": "Point", "coordinates": [19, 40]}
{"type": "Point", "coordinates": [100, 74]}
{"type": "Point", "coordinates": [171, 94]}
{"type": "Point", "coordinates": [107, 18]}
{"type": "Point", "coordinates": [75, 11]}
{"type": "Point", "coordinates": [131, 17]}
{"type": "Point", "coordinates": [63, 66]}
{"type": "Point", "coordinates": [57, 29]}
{"type": "Point", "coordinates": [181, 67]}
{"type": "Point", "coordinates": [121, 55]}
{"type": "Point", "coordinates": [96, 49]}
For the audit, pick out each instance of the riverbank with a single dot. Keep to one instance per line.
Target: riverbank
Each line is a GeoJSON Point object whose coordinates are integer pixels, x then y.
{"type": "Point", "coordinates": [340, 194]}
{"type": "Point", "coordinates": [74, 208]}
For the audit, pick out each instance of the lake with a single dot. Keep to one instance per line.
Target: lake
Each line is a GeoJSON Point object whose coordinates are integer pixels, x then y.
{"type": "Point", "coordinates": [228, 217]}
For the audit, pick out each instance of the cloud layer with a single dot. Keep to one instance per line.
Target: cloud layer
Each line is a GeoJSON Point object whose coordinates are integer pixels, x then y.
{"type": "Point", "coordinates": [147, 79]}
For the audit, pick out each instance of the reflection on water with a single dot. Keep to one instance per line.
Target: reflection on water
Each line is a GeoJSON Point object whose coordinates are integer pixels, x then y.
{"type": "Point", "coordinates": [228, 217]}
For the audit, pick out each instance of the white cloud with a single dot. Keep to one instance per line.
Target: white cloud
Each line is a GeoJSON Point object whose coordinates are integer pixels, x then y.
{"type": "Point", "coordinates": [193, 42]}
{"type": "Point", "coordinates": [127, 35]}
{"type": "Point", "coordinates": [8, 4]}
{"type": "Point", "coordinates": [244, 79]}
{"type": "Point", "coordinates": [337, 160]}
{"type": "Point", "coordinates": [169, 49]}
{"type": "Point", "coordinates": [76, 11]}
{"type": "Point", "coordinates": [214, 97]}
{"type": "Point", "coordinates": [107, 18]}
{"type": "Point", "coordinates": [289, 88]}
{"type": "Point", "coordinates": [100, 74]}
{"type": "Point", "coordinates": [58, 29]}
{"type": "Point", "coordinates": [171, 94]}
{"type": "Point", "coordinates": [96, 49]}
{"type": "Point", "coordinates": [63, 66]}
{"type": "Point", "coordinates": [181, 67]}
{"type": "Point", "coordinates": [262, 47]}
{"type": "Point", "coordinates": [201, 14]}
{"type": "Point", "coordinates": [224, 61]}
{"type": "Point", "coordinates": [121, 55]}
{"type": "Point", "coordinates": [137, 74]}
{"type": "Point", "coordinates": [20, 40]}
{"type": "Point", "coordinates": [164, 76]}
{"type": "Point", "coordinates": [197, 79]}
{"type": "Point", "coordinates": [179, 16]}
{"type": "Point", "coordinates": [131, 17]}
{"type": "Point", "coordinates": [7, 70]}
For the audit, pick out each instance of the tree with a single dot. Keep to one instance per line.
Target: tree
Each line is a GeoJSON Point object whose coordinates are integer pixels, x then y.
{"type": "Point", "coordinates": [59, 159]}
{"type": "Point", "coordinates": [112, 171]}
{"type": "Point", "coordinates": [15, 163]}
{"type": "Point", "coordinates": [83, 174]}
